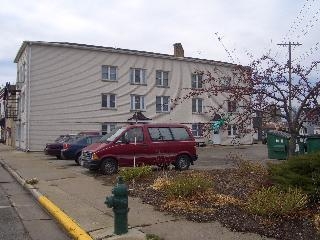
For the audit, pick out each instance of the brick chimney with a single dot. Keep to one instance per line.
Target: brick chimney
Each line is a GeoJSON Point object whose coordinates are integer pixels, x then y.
{"type": "Point", "coordinates": [178, 50]}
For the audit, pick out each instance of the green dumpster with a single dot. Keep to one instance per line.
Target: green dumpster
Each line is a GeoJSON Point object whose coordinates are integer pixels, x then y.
{"type": "Point", "coordinates": [278, 143]}
{"type": "Point", "coordinates": [313, 143]}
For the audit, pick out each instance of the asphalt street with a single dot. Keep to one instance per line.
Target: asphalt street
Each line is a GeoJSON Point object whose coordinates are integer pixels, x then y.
{"type": "Point", "coordinates": [21, 218]}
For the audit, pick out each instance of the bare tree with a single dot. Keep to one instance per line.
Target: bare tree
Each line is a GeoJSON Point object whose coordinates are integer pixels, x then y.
{"type": "Point", "coordinates": [263, 86]}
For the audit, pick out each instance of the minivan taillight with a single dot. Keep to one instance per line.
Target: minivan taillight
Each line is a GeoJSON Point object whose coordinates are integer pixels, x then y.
{"type": "Point", "coordinates": [66, 146]}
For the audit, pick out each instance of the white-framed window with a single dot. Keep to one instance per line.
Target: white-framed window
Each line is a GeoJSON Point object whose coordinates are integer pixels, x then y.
{"type": "Point", "coordinates": [107, 127]}
{"type": "Point", "coordinates": [109, 72]}
{"type": "Point", "coordinates": [232, 130]}
{"type": "Point", "coordinates": [196, 80]}
{"type": "Point", "coordinates": [162, 103]}
{"type": "Point", "coordinates": [137, 102]}
{"type": "Point", "coordinates": [232, 106]}
{"type": "Point", "coordinates": [138, 76]}
{"type": "Point", "coordinates": [108, 100]}
{"type": "Point", "coordinates": [197, 105]}
{"type": "Point", "coordinates": [197, 129]}
{"type": "Point", "coordinates": [162, 78]}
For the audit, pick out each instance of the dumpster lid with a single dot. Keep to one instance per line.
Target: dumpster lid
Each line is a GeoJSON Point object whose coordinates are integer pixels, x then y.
{"type": "Point", "coordinates": [279, 133]}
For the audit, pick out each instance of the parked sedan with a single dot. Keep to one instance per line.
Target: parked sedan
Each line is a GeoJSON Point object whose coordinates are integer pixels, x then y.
{"type": "Point", "coordinates": [72, 150]}
{"type": "Point", "coordinates": [54, 149]}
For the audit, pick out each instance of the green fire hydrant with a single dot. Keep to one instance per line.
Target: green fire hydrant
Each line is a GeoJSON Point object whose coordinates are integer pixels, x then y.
{"type": "Point", "coordinates": [119, 203]}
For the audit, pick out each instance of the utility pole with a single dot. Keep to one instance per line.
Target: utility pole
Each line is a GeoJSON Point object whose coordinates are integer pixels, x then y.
{"type": "Point", "coordinates": [289, 80]}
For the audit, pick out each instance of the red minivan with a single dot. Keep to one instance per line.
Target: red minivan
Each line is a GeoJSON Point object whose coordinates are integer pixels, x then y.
{"type": "Point", "coordinates": [145, 144]}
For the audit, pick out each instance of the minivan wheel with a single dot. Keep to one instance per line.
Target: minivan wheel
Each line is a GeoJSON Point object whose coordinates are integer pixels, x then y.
{"type": "Point", "coordinates": [182, 162]}
{"type": "Point", "coordinates": [109, 166]}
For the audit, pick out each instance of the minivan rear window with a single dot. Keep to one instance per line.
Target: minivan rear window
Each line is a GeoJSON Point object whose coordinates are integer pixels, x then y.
{"type": "Point", "coordinates": [180, 134]}
{"type": "Point", "coordinates": [168, 134]}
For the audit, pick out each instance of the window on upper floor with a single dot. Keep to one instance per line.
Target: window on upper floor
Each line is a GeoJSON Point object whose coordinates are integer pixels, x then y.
{"type": "Point", "coordinates": [225, 82]}
{"type": "Point", "coordinates": [162, 103]}
{"type": "Point", "coordinates": [197, 129]}
{"type": "Point", "coordinates": [232, 106]}
{"type": "Point", "coordinates": [162, 78]}
{"type": "Point", "coordinates": [138, 76]}
{"type": "Point", "coordinates": [196, 80]}
{"type": "Point", "coordinates": [107, 127]}
{"type": "Point", "coordinates": [137, 102]}
{"type": "Point", "coordinates": [197, 105]}
{"type": "Point", "coordinates": [232, 130]}
{"type": "Point", "coordinates": [108, 100]}
{"type": "Point", "coordinates": [109, 73]}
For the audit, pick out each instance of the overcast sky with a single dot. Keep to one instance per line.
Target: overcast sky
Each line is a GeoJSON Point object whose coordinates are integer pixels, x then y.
{"type": "Point", "coordinates": [244, 26]}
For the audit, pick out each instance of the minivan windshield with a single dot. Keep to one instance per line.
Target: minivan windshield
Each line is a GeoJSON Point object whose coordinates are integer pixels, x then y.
{"type": "Point", "coordinates": [111, 136]}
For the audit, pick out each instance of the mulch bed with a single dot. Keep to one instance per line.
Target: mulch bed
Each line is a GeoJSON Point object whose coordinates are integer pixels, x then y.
{"type": "Point", "coordinates": [233, 184]}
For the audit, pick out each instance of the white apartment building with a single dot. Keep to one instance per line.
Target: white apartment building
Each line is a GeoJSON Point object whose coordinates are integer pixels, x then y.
{"type": "Point", "coordinates": [69, 88]}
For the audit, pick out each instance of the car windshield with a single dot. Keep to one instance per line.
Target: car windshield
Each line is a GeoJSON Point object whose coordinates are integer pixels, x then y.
{"type": "Point", "coordinates": [111, 136]}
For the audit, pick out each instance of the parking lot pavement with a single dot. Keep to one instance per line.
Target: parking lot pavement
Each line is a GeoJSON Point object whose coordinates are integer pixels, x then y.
{"type": "Point", "coordinates": [219, 157]}
{"type": "Point", "coordinates": [81, 195]}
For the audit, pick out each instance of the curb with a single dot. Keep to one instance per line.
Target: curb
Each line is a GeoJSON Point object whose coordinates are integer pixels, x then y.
{"type": "Point", "coordinates": [69, 224]}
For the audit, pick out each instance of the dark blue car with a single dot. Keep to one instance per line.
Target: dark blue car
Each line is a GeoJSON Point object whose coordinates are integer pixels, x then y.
{"type": "Point", "coordinates": [72, 150]}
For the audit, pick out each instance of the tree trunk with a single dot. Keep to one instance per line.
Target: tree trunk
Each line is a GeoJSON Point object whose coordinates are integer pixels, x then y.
{"type": "Point", "coordinates": [292, 144]}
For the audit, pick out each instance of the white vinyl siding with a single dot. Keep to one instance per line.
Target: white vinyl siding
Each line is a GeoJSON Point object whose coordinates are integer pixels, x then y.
{"type": "Point", "coordinates": [66, 88]}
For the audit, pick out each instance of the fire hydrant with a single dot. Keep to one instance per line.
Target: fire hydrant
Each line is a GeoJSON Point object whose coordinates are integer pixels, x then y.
{"type": "Point", "coordinates": [119, 203]}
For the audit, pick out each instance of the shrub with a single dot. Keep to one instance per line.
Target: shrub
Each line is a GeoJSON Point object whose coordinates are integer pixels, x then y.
{"type": "Point", "coordinates": [187, 185]}
{"type": "Point", "coordinates": [302, 171]}
{"type": "Point", "coordinates": [129, 174]}
{"type": "Point", "coordinates": [273, 201]}
{"type": "Point", "coordinates": [161, 183]}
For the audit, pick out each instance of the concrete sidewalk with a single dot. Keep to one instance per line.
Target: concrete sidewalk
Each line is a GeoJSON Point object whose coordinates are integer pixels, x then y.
{"type": "Point", "coordinates": [81, 196]}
